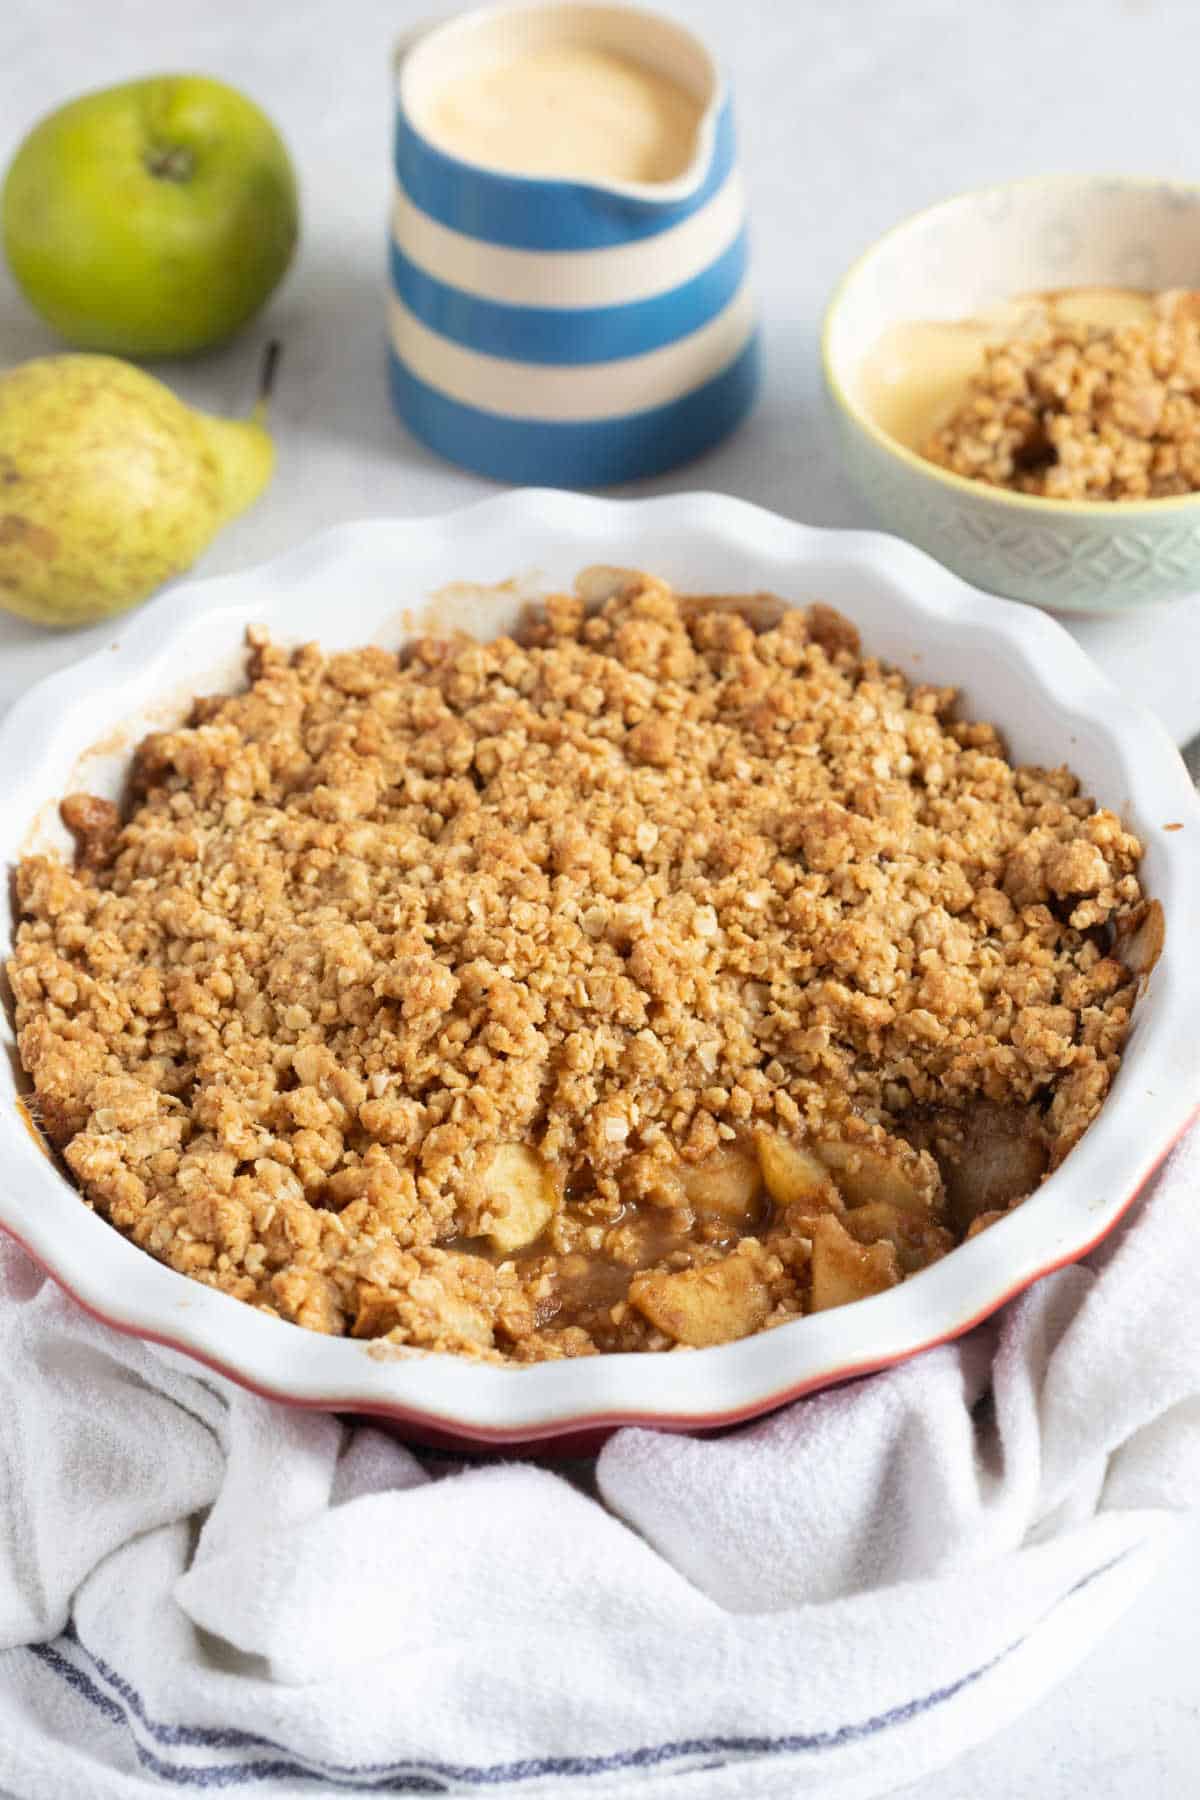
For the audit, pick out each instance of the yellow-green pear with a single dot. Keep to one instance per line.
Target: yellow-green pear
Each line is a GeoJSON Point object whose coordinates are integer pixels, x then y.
{"type": "Point", "coordinates": [109, 485]}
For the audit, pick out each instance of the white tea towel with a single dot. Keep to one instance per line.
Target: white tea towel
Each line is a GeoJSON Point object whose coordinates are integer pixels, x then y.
{"type": "Point", "coordinates": [202, 1590]}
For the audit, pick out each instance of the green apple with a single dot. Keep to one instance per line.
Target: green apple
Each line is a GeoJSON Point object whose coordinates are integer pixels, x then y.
{"type": "Point", "coordinates": [151, 219]}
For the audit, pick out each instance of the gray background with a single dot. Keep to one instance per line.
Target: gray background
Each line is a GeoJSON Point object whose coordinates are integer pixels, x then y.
{"type": "Point", "coordinates": [851, 115]}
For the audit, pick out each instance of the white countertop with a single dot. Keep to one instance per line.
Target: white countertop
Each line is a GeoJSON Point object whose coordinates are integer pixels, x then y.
{"type": "Point", "coordinates": [851, 116]}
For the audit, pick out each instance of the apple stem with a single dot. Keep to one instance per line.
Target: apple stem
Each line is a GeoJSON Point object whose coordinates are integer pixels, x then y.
{"type": "Point", "coordinates": [266, 377]}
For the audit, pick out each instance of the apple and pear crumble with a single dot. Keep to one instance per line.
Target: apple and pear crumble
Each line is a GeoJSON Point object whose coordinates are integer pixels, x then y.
{"type": "Point", "coordinates": [652, 977]}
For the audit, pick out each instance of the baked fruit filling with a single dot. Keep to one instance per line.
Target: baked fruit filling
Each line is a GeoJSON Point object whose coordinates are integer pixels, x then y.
{"type": "Point", "coordinates": [644, 980]}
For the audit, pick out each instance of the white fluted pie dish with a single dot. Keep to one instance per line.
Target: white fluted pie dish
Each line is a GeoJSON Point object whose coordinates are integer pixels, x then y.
{"type": "Point", "coordinates": [379, 581]}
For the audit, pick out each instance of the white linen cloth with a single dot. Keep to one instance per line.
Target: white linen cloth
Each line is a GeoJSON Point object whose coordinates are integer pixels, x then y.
{"type": "Point", "coordinates": [200, 1589]}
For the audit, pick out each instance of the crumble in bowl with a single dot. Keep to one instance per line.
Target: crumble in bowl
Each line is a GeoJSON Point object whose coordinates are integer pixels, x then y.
{"type": "Point", "coordinates": [1067, 409]}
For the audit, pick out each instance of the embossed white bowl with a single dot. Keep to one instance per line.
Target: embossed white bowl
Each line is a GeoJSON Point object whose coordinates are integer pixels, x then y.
{"type": "Point", "coordinates": [377, 582]}
{"type": "Point", "coordinates": [951, 261]}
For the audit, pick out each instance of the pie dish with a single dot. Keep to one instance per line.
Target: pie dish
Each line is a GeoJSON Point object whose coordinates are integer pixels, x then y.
{"type": "Point", "coordinates": [653, 975]}
{"type": "Point", "coordinates": [1019, 670]}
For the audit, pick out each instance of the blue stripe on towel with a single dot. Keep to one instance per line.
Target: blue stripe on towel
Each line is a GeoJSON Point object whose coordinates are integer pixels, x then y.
{"type": "Point", "coordinates": [418, 1775]}
{"type": "Point", "coordinates": [577, 453]}
{"type": "Point", "coordinates": [532, 213]}
{"type": "Point", "coordinates": [582, 334]}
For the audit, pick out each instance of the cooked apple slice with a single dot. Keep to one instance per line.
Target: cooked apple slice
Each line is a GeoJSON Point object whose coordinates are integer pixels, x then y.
{"type": "Point", "coordinates": [725, 1187]}
{"type": "Point", "coordinates": [794, 1176]}
{"type": "Point", "coordinates": [762, 612]}
{"type": "Point", "coordinates": [876, 1220]}
{"type": "Point", "coordinates": [1140, 938]}
{"type": "Point", "coordinates": [843, 1270]}
{"type": "Point", "coordinates": [515, 1199]}
{"type": "Point", "coordinates": [712, 1304]}
{"type": "Point", "coordinates": [864, 1173]}
{"type": "Point", "coordinates": [600, 582]}
{"type": "Point", "coordinates": [916, 1241]}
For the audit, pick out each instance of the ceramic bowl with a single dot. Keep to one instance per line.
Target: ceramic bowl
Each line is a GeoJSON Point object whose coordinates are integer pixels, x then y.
{"type": "Point", "coordinates": [567, 332]}
{"type": "Point", "coordinates": [948, 263]}
{"type": "Point", "coordinates": [382, 581]}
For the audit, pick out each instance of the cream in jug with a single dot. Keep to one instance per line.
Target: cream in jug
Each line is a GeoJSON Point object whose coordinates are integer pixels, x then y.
{"type": "Point", "coordinates": [570, 109]}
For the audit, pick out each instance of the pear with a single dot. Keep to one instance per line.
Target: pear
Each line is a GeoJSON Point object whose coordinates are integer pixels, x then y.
{"type": "Point", "coordinates": [110, 484]}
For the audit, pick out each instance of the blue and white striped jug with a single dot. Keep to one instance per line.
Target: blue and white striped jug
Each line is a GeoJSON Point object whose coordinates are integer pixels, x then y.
{"type": "Point", "coordinates": [567, 332]}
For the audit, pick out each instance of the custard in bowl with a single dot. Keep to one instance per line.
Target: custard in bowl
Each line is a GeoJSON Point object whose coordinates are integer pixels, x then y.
{"type": "Point", "coordinates": [1016, 379]}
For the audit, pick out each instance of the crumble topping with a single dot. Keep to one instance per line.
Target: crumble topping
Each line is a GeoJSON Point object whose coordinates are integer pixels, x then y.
{"type": "Point", "coordinates": [1072, 411]}
{"type": "Point", "coordinates": [669, 972]}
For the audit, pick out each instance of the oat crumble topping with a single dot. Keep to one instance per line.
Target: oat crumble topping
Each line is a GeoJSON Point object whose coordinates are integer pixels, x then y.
{"type": "Point", "coordinates": [644, 982]}
{"type": "Point", "coordinates": [1079, 412]}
